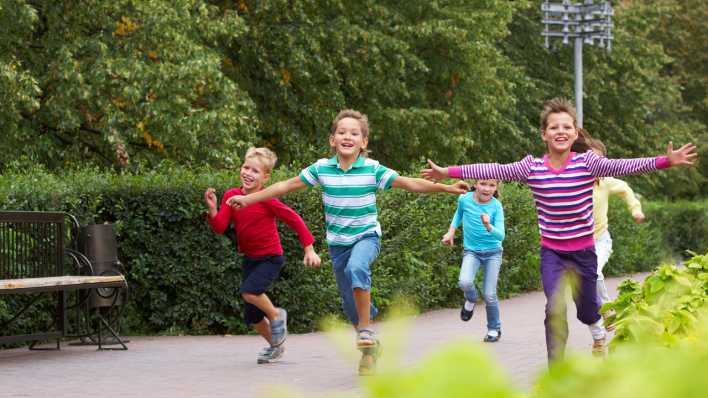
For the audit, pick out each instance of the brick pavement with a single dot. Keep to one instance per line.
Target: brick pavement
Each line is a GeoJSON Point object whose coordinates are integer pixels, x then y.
{"type": "Point", "coordinates": [224, 366]}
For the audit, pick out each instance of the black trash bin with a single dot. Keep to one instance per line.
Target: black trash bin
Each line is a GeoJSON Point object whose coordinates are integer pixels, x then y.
{"type": "Point", "coordinates": [99, 244]}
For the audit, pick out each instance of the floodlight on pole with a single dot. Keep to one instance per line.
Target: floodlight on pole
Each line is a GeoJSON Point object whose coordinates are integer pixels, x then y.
{"type": "Point", "coordinates": [585, 23]}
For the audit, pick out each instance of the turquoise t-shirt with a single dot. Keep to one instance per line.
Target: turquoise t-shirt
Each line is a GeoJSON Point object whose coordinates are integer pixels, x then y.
{"type": "Point", "coordinates": [476, 237]}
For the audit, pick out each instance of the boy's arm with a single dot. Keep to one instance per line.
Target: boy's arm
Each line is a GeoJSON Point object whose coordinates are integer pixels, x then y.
{"type": "Point", "coordinates": [602, 167]}
{"type": "Point", "coordinates": [297, 224]}
{"type": "Point", "coordinates": [276, 190]}
{"type": "Point", "coordinates": [623, 190]}
{"type": "Point", "coordinates": [220, 220]}
{"type": "Point", "coordinates": [293, 220]}
{"type": "Point", "coordinates": [421, 185]}
{"type": "Point", "coordinates": [517, 171]}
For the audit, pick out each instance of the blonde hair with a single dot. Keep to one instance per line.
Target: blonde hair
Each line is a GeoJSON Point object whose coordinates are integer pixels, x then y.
{"type": "Point", "coordinates": [557, 105]}
{"type": "Point", "coordinates": [358, 116]}
{"type": "Point", "coordinates": [264, 155]}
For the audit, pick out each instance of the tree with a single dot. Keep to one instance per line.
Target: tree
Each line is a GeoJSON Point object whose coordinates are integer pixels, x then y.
{"type": "Point", "coordinates": [427, 74]}
{"type": "Point", "coordinates": [142, 76]}
{"type": "Point", "coordinates": [19, 89]}
{"type": "Point", "coordinates": [629, 103]}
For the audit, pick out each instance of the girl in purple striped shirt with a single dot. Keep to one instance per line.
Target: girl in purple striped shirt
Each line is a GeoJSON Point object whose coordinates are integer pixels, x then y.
{"type": "Point", "coordinates": [562, 182]}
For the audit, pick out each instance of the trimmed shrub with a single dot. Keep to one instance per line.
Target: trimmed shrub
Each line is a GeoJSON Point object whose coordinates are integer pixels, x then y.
{"type": "Point", "coordinates": [185, 279]}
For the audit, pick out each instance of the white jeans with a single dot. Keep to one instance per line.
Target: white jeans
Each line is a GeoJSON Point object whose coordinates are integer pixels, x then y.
{"type": "Point", "coordinates": [603, 249]}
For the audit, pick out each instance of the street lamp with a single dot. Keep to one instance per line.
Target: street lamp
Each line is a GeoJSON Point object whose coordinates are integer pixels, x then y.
{"type": "Point", "coordinates": [585, 23]}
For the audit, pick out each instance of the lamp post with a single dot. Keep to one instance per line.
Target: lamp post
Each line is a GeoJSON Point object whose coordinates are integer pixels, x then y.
{"type": "Point", "coordinates": [585, 23]}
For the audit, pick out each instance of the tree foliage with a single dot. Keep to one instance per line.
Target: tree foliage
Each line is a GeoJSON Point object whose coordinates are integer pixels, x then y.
{"type": "Point", "coordinates": [145, 74]}
{"type": "Point", "coordinates": [197, 81]}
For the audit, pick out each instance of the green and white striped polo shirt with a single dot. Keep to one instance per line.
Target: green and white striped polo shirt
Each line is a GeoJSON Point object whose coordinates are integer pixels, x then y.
{"type": "Point", "coordinates": [349, 196]}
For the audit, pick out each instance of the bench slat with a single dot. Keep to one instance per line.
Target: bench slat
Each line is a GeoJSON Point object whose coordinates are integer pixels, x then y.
{"type": "Point", "coordinates": [10, 286]}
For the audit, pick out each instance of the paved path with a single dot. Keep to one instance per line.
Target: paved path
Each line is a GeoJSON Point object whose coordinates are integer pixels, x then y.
{"type": "Point", "coordinates": [224, 366]}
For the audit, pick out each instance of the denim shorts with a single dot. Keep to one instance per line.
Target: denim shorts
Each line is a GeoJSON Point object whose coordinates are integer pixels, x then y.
{"type": "Point", "coordinates": [352, 270]}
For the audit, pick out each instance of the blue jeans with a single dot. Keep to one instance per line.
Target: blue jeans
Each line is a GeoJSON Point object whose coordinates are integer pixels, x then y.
{"type": "Point", "coordinates": [352, 270]}
{"type": "Point", "coordinates": [491, 261]}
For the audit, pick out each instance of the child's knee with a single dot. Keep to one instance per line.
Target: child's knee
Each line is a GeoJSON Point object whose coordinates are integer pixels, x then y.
{"type": "Point", "coordinates": [466, 285]}
{"type": "Point", "coordinates": [490, 298]}
{"type": "Point", "coordinates": [360, 277]}
{"type": "Point", "coordinates": [248, 297]}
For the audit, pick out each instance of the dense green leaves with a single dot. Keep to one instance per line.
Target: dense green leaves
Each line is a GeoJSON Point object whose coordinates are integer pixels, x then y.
{"type": "Point", "coordinates": [665, 309]}
{"type": "Point", "coordinates": [136, 77]}
{"type": "Point", "coordinates": [198, 81]}
{"type": "Point", "coordinates": [184, 278]}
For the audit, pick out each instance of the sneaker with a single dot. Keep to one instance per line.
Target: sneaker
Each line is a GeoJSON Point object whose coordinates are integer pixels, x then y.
{"type": "Point", "coordinates": [270, 354]}
{"type": "Point", "coordinates": [492, 336]}
{"type": "Point", "coordinates": [279, 328]}
{"type": "Point", "coordinates": [599, 347]}
{"type": "Point", "coordinates": [369, 357]}
{"type": "Point", "coordinates": [466, 315]}
{"type": "Point", "coordinates": [366, 338]}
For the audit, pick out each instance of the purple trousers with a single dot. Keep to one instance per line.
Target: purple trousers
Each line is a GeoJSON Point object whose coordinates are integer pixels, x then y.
{"type": "Point", "coordinates": [581, 267]}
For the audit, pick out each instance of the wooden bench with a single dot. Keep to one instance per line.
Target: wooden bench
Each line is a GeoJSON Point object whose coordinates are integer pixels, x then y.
{"type": "Point", "coordinates": [33, 255]}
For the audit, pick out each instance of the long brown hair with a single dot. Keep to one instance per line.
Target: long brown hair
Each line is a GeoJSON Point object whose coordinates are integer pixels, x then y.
{"type": "Point", "coordinates": [584, 142]}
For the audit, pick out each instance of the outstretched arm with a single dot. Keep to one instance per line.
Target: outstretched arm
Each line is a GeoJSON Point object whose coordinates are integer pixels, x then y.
{"type": "Point", "coordinates": [517, 171]}
{"type": "Point", "coordinates": [421, 185]}
{"type": "Point", "coordinates": [276, 190]}
{"type": "Point", "coordinates": [603, 167]}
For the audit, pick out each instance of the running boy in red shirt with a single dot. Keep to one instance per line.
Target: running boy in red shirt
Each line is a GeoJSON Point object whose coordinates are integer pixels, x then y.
{"type": "Point", "coordinates": [258, 239]}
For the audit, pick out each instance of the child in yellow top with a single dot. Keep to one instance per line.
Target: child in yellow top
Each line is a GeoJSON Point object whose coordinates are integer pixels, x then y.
{"type": "Point", "coordinates": [604, 187]}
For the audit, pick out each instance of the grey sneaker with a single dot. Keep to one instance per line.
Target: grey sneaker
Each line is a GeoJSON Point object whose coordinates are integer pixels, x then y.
{"type": "Point", "coordinates": [279, 328]}
{"type": "Point", "coordinates": [270, 354]}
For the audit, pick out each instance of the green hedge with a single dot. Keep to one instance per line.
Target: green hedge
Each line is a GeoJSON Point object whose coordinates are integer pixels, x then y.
{"type": "Point", "coordinates": [184, 278]}
{"type": "Point", "coordinates": [685, 225]}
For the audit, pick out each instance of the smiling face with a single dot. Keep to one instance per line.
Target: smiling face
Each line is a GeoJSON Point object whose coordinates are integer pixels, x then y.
{"type": "Point", "coordinates": [348, 140]}
{"type": "Point", "coordinates": [484, 190]}
{"type": "Point", "coordinates": [253, 175]}
{"type": "Point", "coordinates": [560, 132]}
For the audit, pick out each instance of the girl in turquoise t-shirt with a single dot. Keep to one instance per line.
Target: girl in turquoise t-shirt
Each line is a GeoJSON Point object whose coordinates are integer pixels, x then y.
{"type": "Point", "coordinates": [482, 217]}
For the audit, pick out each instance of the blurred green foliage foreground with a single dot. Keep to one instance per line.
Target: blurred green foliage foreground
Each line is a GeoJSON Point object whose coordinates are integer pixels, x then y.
{"type": "Point", "coordinates": [660, 349]}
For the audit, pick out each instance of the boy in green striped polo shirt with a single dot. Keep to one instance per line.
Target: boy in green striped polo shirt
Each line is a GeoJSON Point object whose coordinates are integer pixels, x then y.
{"type": "Point", "coordinates": [350, 181]}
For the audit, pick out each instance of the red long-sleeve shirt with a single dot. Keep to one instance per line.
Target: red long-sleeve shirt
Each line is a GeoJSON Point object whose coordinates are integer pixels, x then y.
{"type": "Point", "coordinates": [256, 229]}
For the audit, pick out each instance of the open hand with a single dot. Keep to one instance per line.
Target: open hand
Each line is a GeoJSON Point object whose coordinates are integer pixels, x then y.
{"type": "Point", "coordinates": [435, 172]}
{"type": "Point", "coordinates": [686, 155]}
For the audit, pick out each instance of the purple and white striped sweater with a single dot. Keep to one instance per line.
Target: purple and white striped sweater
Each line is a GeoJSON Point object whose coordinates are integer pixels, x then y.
{"type": "Point", "coordinates": [564, 196]}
